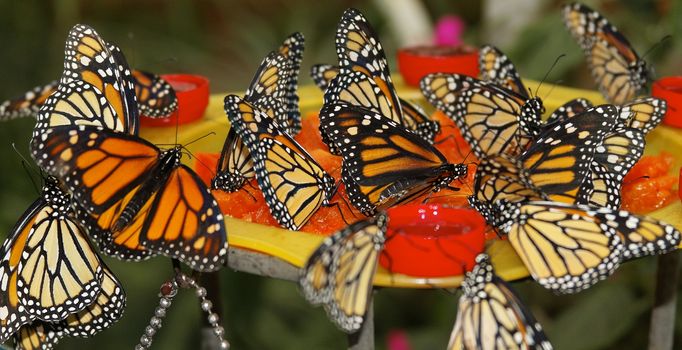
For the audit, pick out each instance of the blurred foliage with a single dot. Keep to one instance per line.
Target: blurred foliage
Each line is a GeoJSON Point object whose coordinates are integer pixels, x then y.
{"type": "Point", "coordinates": [225, 40]}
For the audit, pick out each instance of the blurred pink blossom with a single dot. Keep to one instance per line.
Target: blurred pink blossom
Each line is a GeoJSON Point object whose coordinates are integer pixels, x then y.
{"type": "Point", "coordinates": [449, 30]}
{"type": "Point", "coordinates": [397, 340]}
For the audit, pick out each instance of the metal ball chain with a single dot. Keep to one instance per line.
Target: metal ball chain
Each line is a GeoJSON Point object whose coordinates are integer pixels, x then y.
{"type": "Point", "coordinates": [166, 295]}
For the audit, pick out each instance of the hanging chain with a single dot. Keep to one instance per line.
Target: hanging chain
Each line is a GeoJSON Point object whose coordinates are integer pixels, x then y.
{"type": "Point", "coordinates": [167, 292]}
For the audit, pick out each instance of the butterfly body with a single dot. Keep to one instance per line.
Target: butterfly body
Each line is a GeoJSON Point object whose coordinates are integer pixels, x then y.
{"type": "Point", "coordinates": [168, 161]}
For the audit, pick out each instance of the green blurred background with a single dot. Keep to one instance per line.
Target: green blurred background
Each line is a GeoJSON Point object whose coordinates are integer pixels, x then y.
{"type": "Point", "coordinates": [225, 40]}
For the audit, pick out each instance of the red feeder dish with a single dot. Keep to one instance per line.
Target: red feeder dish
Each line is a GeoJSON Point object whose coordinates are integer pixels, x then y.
{"type": "Point", "coordinates": [416, 62]}
{"type": "Point", "coordinates": [670, 89]}
{"type": "Point", "coordinates": [192, 92]}
{"type": "Point", "coordinates": [430, 240]}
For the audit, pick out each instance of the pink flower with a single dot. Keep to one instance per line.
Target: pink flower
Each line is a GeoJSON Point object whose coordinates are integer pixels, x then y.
{"type": "Point", "coordinates": [449, 30]}
{"type": "Point", "coordinates": [397, 340]}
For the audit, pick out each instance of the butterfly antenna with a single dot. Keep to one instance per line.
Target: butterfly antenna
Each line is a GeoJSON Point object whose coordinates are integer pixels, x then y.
{"type": "Point", "coordinates": [553, 86]}
{"type": "Point", "coordinates": [549, 71]}
{"type": "Point", "coordinates": [212, 172]}
{"type": "Point", "coordinates": [249, 193]}
{"type": "Point", "coordinates": [212, 133]}
{"type": "Point", "coordinates": [27, 167]}
{"type": "Point", "coordinates": [656, 45]}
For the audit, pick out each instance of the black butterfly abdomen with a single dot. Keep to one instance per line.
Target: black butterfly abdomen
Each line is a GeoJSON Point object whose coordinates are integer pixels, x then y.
{"type": "Point", "coordinates": [168, 161]}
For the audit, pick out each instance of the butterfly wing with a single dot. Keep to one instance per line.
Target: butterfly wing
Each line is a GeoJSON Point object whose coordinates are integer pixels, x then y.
{"type": "Point", "coordinates": [269, 85]}
{"type": "Point", "coordinates": [292, 49]}
{"type": "Point", "coordinates": [641, 235]}
{"type": "Point", "coordinates": [48, 268]}
{"type": "Point", "coordinates": [644, 114]}
{"type": "Point", "coordinates": [184, 222]}
{"type": "Point", "coordinates": [495, 67]}
{"type": "Point", "coordinates": [323, 74]}
{"type": "Point", "coordinates": [28, 104]}
{"type": "Point", "coordinates": [77, 103]}
{"type": "Point", "coordinates": [569, 109]}
{"type": "Point", "coordinates": [558, 161]}
{"type": "Point", "coordinates": [491, 316]}
{"type": "Point", "coordinates": [99, 167]}
{"type": "Point", "coordinates": [620, 150]}
{"type": "Point", "coordinates": [235, 165]}
{"type": "Point", "coordinates": [155, 97]}
{"type": "Point", "coordinates": [603, 190]}
{"type": "Point", "coordinates": [564, 247]}
{"type": "Point", "coordinates": [615, 66]}
{"type": "Point", "coordinates": [488, 117]}
{"type": "Point", "coordinates": [101, 314]}
{"type": "Point", "coordinates": [90, 59]}
{"type": "Point", "coordinates": [124, 243]}
{"type": "Point", "coordinates": [340, 273]}
{"type": "Point", "coordinates": [383, 164]}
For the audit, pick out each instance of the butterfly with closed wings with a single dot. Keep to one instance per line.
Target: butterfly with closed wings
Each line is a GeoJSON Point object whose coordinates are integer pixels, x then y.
{"type": "Point", "coordinates": [340, 273]}
{"type": "Point", "coordinates": [615, 66]}
{"type": "Point", "coordinates": [48, 269]}
{"type": "Point", "coordinates": [293, 183]}
{"type": "Point", "coordinates": [273, 90]}
{"type": "Point", "coordinates": [491, 316]}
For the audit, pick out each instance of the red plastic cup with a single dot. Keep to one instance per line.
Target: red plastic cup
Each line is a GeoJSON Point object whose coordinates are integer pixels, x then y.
{"type": "Point", "coordinates": [429, 240]}
{"type": "Point", "coordinates": [192, 92]}
{"type": "Point", "coordinates": [416, 62]}
{"type": "Point", "coordinates": [670, 89]}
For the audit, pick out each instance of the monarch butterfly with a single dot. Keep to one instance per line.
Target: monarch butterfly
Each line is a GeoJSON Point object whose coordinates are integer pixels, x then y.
{"type": "Point", "coordinates": [364, 78]}
{"type": "Point", "coordinates": [134, 198]}
{"type": "Point", "coordinates": [339, 274]}
{"type": "Point", "coordinates": [90, 59]}
{"type": "Point", "coordinates": [492, 119]}
{"type": "Point", "coordinates": [491, 316]}
{"type": "Point", "coordinates": [293, 184]}
{"type": "Point", "coordinates": [48, 268]}
{"type": "Point", "coordinates": [134, 189]}
{"type": "Point", "coordinates": [617, 69]}
{"type": "Point", "coordinates": [384, 164]}
{"type": "Point", "coordinates": [273, 90]}
{"type": "Point", "coordinates": [155, 97]}
{"type": "Point", "coordinates": [101, 314]}
{"type": "Point", "coordinates": [413, 117]}
{"type": "Point", "coordinates": [556, 166]}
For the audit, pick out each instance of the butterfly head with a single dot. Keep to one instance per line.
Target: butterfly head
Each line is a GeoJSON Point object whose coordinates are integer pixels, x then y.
{"type": "Point", "coordinates": [53, 193]}
{"type": "Point", "coordinates": [230, 182]}
{"type": "Point", "coordinates": [640, 72]}
{"type": "Point", "coordinates": [450, 172]}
